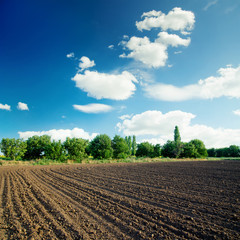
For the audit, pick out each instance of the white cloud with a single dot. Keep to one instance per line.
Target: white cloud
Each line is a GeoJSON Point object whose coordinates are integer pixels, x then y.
{"type": "Point", "coordinates": [111, 46]}
{"type": "Point", "coordinates": [60, 134]}
{"type": "Point", "coordinates": [237, 112]}
{"type": "Point", "coordinates": [153, 54]}
{"type": "Point", "coordinates": [154, 123]}
{"type": "Point", "coordinates": [22, 106]}
{"type": "Point", "coordinates": [93, 108]}
{"type": "Point", "coordinates": [177, 19]}
{"type": "Point", "coordinates": [210, 4]}
{"type": "Point", "coordinates": [70, 55]}
{"type": "Point", "coordinates": [161, 126]}
{"type": "Point", "coordinates": [85, 63]}
{"type": "Point", "coordinates": [5, 107]}
{"type": "Point", "coordinates": [103, 85]}
{"type": "Point", "coordinates": [227, 84]}
{"type": "Point", "coordinates": [177, 52]}
{"type": "Point", "coordinates": [126, 116]}
{"type": "Point", "coordinates": [172, 40]}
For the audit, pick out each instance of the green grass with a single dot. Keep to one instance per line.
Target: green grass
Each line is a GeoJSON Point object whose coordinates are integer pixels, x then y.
{"type": "Point", "coordinates": [7, 162]}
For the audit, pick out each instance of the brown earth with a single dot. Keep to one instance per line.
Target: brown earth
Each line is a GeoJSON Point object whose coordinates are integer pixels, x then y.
{"type": "Point", "coordinates": [176, 200]}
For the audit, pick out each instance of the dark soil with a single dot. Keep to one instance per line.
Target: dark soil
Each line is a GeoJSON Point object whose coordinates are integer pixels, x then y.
{"type": "Point", "coordinates": [176, 200]}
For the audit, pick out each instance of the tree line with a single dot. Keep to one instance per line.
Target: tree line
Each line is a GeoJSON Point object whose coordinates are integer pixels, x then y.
{"type": "Point", "coordinates": [232, 151]}
{"type": "Point", "coordinates": [103, 147]}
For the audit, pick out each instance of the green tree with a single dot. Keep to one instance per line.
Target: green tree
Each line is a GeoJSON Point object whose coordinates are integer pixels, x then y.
{"type": "Point", "coordinates": [169, 149]}
{"type": "Point", "coordinates": [234, 151]}
{"type": "Point", "coordinates": [200, 147]}
{"type": "Point", "coordinates": [55, 151]}
{"type": "Point", "coordinates": [145, 149]}
{"type": "Point", "coordinates": [189, 150]}
{"type": "Point", "coordinates": [76, 148]}
{"type": "Point", "coordinates": [13, 148]}
{"type": "Point", "coordinates": [222, 152]}
{"type": "Point", "coordinates": [212, 152]}
{"type": "Point", "coordinates": [157, 150]}
{"type": "Point", "coordinates": [100, 147]}
{"type": "Point", "coordinates": [36, 146]}
{"type": "Point", "coordinates": [177, 137]}
{"type": "Point", "coordinates": [128, 140]}
{"type": "Point", "coordinates": [134, 145]}
{"type": "Point", "coordinates": [120, 147]}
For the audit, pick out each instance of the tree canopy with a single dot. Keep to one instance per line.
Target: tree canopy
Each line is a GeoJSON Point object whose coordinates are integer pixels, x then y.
{"type": "Point", "coordinates": [101, 147]}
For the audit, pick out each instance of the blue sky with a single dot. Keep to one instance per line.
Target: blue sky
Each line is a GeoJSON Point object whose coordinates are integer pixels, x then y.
{"type": "Point", "coordinates": [78, 68]}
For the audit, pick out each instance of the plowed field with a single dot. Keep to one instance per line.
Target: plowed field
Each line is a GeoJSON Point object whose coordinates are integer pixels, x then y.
{"type": "Point", "coordinates": [176, 200]}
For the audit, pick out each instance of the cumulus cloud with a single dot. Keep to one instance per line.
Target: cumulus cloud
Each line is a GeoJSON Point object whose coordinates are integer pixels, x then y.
{"type": "Point", "coordinates": [103, 85]}
{"type": "Point", "coordinates": [172, 40]}
{"type": "Point", "coordinates": [227, 84]}
{"type": "Point", "coordinates": [85, 63]}
{"type": "Point", "coordinates": [5, 107]}
{"type": "Point", "coordinates": [60, 134]}
{"type": "Point", "coordinates": [177, 20]}
{"type": "Point", "coordinates": [154, 123]}
{"type": "Point", "coordinates": [153, 54]}
{"type": "Point", "coordinates": [70, 55]}
{"type": "Point", "coordinates": [161, 126]}
{"type": "Point", "coordinates": [93, 108]}
{"type": "Point", "coordinates": [22, 106]}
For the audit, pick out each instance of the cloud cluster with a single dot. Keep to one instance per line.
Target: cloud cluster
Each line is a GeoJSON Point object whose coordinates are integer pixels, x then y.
{"type": "Point", "coordinates": [93, 108]}
{"type": "Point", "coordinates": [226, 84]}
{"type": "Point", "coordinates": [154, 53]}
{"type": "Point", "coordinates": [5, 107]}
{"type": "Point", "coordinates": [161, 126]}
{"type": "Point", "coordinates": [86, 63]}
{"type": "Point", "coordinates": [177, 19]}
{"type": "Point", "coordinates": [154, 123]}
{"type": "Point", "coordinates": [103, 85]}
{"type": "Point", "coordinates": [22, 106]}
{"type": "Point", "coordinates": [60, 134]}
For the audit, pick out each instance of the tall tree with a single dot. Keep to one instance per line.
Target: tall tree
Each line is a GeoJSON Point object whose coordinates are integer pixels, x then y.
{"type": "Point", "coordinates": [134, 145]}
{"type": "Point", "coordinates": [13, 148]}
{"type": "Point", "coordinates": [177, 137]}
{"type": "Point", "coordinates": [128, 140]}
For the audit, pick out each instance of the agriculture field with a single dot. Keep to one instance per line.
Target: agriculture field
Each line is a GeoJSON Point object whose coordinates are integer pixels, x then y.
{"type": "Point", "coordinates": [176, 200]}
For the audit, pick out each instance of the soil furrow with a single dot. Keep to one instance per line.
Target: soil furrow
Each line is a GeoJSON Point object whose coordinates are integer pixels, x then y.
{"type": "Point", "coordinates": [73, 203]}
{"type": "Point", "coordinates": [181, 200]}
